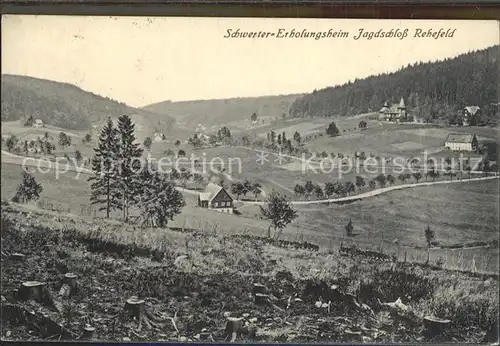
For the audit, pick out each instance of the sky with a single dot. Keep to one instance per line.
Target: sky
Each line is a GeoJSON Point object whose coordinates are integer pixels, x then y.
{"type": "Point", "coordinates": [140, 60]}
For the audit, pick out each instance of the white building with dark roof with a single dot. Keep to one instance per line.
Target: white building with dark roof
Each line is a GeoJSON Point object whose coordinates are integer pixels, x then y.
{"type": "Point", "coordinates": [461, 142]}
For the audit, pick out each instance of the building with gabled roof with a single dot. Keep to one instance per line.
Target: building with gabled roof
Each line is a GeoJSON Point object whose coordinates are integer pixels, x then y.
{"type": "Point", "coordinates": [461, 142]}
{"type": "Point", "coordinates": [217, 198]}
{"type": "Point", "coordinates": [159, 137]}
{"type": "Point", "coordinates": [395, 113]}
{"type": "Point", "coordinates": [470, 115]}
{"type": "Point", "coordinates": [38, 123]}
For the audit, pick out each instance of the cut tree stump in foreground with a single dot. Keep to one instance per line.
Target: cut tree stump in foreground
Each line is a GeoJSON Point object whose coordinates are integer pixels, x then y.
{"type": "Point", "coordinates": [37, 291]}
{"type": "Point", "coordinates": [18, 257]}
{"type": "Point", "coordinates": [492, 334]}
{"type": "Point", "coordinates": [261, 299]}
{"type": "Point", "coordinates": [435, 326]}
{"type": "Point", "coordinates": [34, 290]}
{"type": "Point", "coordinates": [259, 288]}
{"type": "Point", "coordinates": [136, 308]}
{"type": "Point", "coordinates": [88, 333]}
{"type": "Point", "coordinates": [31, 290]}
{"type": "Point", "coordinates": [233, 328]}
{"type": "Point", "coordinates": [69, 287]}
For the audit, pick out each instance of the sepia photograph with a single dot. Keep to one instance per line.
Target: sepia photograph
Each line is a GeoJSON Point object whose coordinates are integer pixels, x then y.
{"type": "Point", "coordinates": [249, 180]}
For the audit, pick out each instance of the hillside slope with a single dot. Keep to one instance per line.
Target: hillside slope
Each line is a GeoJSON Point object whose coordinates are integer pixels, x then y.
{"type": "Point", "coordinates": [224, 111]}
{"type": "Point", "coordinates": [191, 281]}
{"type": "Point", "coordinates": [64, 105]}
{"type": "Point", "coordinates": [434, 91]}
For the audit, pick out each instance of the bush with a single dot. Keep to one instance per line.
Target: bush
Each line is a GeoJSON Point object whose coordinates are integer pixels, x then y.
{"type": "Point", "coordinates": [401, 282]}
{"type": "Point", "coordinates": [467, 304]}
{"type": "Point", "coordinates": [440, 262]}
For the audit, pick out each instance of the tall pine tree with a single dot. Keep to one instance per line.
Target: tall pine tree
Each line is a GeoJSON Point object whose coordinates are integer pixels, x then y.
{"type": "Point", "coordinates": [130, 153]}
{"type": "Point", "coordinates": [104, 183]}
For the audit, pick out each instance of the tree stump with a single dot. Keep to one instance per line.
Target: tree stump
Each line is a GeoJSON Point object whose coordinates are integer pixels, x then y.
{"type": "Point", "coordinates": [492, 334]}
{"type": "Point", "coordinates": [259, 288]}
{"type": "Point", "coordinates": [70, 285]}
{"type": "Point", "coordinates": [88, 333]}
{"type": "Point", "coordinates": [32, 290]}
{"type": "Point", "coordinates": [233, 328]}
{"type": "Point", "coordinates": [261, 299]}
{"type": "Point", "coordinates": [260, 294]}
{"type": "Point", "coordinates": [434, 326]}
{"type": "Point", "coordinates": [204, 336]}
{"type": "Point", "coordinates": [135, 307]}
{"type": "Point", "coordinates": [18, 257]}
{"type": "Point", "coordinates": [353, 335]}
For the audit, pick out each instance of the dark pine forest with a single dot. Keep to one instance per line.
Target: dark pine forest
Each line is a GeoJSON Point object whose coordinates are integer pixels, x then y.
{"type": "Point", "coordinates": [434, 91]}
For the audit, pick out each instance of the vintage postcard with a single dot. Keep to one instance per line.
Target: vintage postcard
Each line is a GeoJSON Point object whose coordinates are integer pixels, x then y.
{"type": "Point", "coordinates": [249, 179]}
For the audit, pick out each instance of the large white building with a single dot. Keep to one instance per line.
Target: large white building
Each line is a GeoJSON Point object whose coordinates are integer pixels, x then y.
{"type": "Point", "coordinates": [396, 113]}
{"type": "Point", "coordinates": [461, 142]}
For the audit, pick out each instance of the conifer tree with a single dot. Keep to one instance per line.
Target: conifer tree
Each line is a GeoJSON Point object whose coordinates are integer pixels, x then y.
{"type": "Point", "coordinates": [349, 228]}
{"type": "Point", "coordinates": [159, 200]}
{"type": "Point", "coordinates": [28, 190]}
{"type": "Point", "coordinates": [104, 183]}
{"type": "Point", "coordinates": [129, 154]}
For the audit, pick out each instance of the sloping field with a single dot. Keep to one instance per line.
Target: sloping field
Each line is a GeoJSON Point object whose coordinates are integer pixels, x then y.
{"type": "Point", "coordinates": [236, 111]}
{"type": "Point", "coordinates": [459, 213]}
{"type": "Point", "coordinates": [303, 128]}
{"type": "Point", "coordinates": [394, 139]}
{"type": "Point", "coordinates": [191, 281]}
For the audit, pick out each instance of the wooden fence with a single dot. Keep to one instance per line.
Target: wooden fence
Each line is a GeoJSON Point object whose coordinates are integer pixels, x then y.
{"type": "Point", "coordinates": [481, 259]}
{"type": "Point", "coordinates": [476, 260]}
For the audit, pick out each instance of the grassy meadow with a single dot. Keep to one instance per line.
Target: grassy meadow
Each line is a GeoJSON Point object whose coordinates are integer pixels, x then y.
{"type": "Point", "coordinates": [395, 220]}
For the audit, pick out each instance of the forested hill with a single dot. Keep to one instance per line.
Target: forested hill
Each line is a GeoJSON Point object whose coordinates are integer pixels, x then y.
{"type": "Point", "coordinates": [61, 104]}
{"type": "Point", "coordinates": [435, 90]}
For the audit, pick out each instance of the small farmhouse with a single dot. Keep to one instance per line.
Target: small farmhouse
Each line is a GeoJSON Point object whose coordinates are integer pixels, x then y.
{"type": "Point", "coordinates": [470, 115]}
{"type": "Point", "coordinates": [38, 123]}
{"type": "Point", "coordinates": [461, 142]}
{"type": "Point", "coordinates": [216, 197]}
{"type": "Point", "coordinates": [159, 137]}
{"type": "Point", "coordinates": [395, 113]}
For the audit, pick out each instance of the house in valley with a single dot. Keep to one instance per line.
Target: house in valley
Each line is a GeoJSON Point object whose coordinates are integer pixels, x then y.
{"type": "Point", "coordinates": [215, 197]}
{"type": "Point", "coordinates": [395, 113]}
{"type": "Point", "coordinates": [470, 115]}
{"type": "Point", "coordinates": [159, 137]}
{"type": "Point", "coordinates": [461, 142]}
{"type": "Point", "coordinates": [38, 123]}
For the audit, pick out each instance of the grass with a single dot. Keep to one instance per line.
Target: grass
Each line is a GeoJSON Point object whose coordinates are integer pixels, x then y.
{"type": "Point", "coordinates": [467, 213]}
{"type": "Point", "coordinates": [216, 277]}
{"type": "Point", "coordinates": [68, 193]}
{"type": "Point", "coordinates": [65, 191]}
{"type": "Point", "coordinates": [384, 139]}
